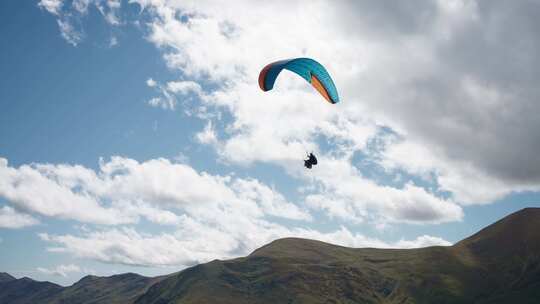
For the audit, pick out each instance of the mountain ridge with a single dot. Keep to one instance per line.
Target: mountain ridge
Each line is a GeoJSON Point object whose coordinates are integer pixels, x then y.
{"type": "Point", "coordinates": [119, 288]}
{"type": "Point", "coordinates": [292, 270]}
{"type": "Point", "coordinates": [6, 277]}
{"type": "Point", "coordinates": [498, 264]}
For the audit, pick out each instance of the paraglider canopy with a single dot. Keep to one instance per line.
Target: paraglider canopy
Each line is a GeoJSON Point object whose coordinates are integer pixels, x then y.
{"type": "Point", "coordinates": [309, 69]}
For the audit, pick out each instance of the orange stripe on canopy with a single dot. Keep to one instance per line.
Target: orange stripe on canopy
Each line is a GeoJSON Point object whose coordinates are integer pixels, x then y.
{"type": "Point", "coordinates": [319, 87]}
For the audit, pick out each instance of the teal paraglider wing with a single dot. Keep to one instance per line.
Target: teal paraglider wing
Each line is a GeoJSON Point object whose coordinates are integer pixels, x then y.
{"type": "Point", "coordinates": [307, 68]}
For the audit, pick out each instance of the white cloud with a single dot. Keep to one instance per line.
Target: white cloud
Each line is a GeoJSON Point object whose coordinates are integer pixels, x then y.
{"type": "Point", "coordinates": [113, 42]}
{"type": "Point", "coordinates": [160, 102]}
{"type": "Point", "coordinates": [166, 101]}
{"type": "Point", "coordinates": [109, 9]}
{"type": "Point", "coordinates": [173, 89]}
{"type": "Point", "coordinates": [60, 270]}
{"type": "Point", "coordinates": [423, 241]}
{"type": "Point", "coordinates": [151, 82]}
{"type": "Point", "coordinates": [126, 246]}
{"type": "Point", "coordinates": [405, 67]}
{"type": "Point", "coordinates": [52, 6]}
{"type": "Point", "coordinates": [39, 189]}
{"type": "Point", "coordinates": [443, 75]}
{"type": "Point", "coordinates": [68, 18]}
{"type": "Point", "coordinates": [208, 135]}
{"type": "Point", "coordinates": [467, 184]}
{"type": "Point", "coordinates": [271, 201]}
{"type": "Point", "coordinates": [466, 115]}
{"type": "Point", "coordinates": [346, 194]}
{"type": "Point", "coordinates": [281, 125]}
{"type": "Point", "coordinates": [81, 5]}
{"type": "Point", "coordinates": [69, 33]}
{"type": "Point", "coordinates": [123, 190]}
{"type": "Point", "coordinates": [10, 218]}
{"type": "Point", "coordinates": [196, 242]}
{"type": "Point", "coordinates": [184, 87]}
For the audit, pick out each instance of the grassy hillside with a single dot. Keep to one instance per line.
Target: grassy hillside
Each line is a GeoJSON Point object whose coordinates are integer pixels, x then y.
{"type": "Point", "coordinates": [124, 288]}
{"type": "Point", "coordinates": [500, 264]}
{"type": "Point", "coordinates": [26, 290]}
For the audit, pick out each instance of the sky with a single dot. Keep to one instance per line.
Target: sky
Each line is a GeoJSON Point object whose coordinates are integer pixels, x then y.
{"type": "Point", "coordinates": [134, 136]}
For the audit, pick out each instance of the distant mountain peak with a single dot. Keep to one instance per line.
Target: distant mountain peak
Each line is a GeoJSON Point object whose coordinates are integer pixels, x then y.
{"type": "Point", "coordinates": [292, 247]}
{"type": "Point", "coordinates": [87, 278]}
{"type": "Point", "coordinates": [127, 275]}
{"type": "Point", "coordinates": [6, 277]}
{"type": "Point", "coordinates": [509, 235]}
{"type": "Point", "coordinates": [121, 277]}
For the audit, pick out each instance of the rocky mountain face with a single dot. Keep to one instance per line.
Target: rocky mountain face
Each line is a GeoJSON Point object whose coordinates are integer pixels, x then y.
{"type": "Point", "coordinates": [499, 264]}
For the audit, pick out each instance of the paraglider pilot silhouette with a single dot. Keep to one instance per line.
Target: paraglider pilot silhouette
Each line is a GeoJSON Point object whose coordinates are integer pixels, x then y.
{"type": "Point", "coordinates": [311, 161]}
{"type": "Point", "coordinates": [309, 69]}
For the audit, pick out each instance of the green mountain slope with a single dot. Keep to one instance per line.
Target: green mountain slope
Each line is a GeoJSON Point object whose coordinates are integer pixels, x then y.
{"type": "Point", "coordinates": [124, 288]}
{"type": "Point", "coordinates": [500, 264]}
{"type": "Point", "coordinates": [26, 290]}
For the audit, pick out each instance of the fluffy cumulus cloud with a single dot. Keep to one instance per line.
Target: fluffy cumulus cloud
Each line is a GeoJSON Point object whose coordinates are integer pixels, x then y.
{"type": "Point", "coordinates": [459, 85]}
{"type": "Point", "coordinates": [196, 243]}
{"type": "Point", "coordinates": [447, 76]}
{"type": "Point", "coordinates": [346, 194]}
{"type": "Point", "coordinates": [10, 218]}
{"type": "Point", "coordinates": [278, 127]}
{"type": "Point", "coordinates": [124, 190]}
{"type": "Point", "coordinates": [40, 190]}
{"type": "Point", "coordinates": [213, 216]}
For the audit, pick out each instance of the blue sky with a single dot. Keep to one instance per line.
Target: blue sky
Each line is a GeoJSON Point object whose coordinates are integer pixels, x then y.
{"type": "Point", "coordinates": [134, 137]}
